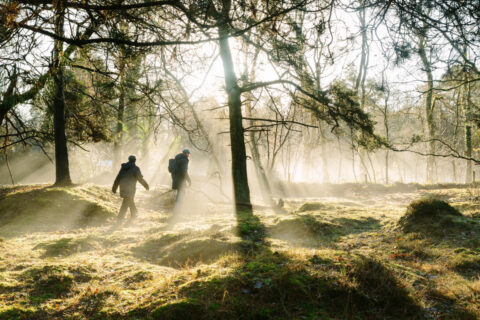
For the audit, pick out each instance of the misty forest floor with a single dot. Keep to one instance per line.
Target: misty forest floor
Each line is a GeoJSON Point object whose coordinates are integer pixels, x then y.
{"type": "Point", "coordinates": [62, 257]}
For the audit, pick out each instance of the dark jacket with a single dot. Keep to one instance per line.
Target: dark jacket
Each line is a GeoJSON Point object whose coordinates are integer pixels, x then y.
{"type": "Point", "coordinates": [181, 171]}
{"type": "Point", "coordinates": [127, 179]}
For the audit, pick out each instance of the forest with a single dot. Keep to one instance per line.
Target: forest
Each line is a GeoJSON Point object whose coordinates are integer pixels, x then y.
{"type": "Point", "coordinates": [331, 152]}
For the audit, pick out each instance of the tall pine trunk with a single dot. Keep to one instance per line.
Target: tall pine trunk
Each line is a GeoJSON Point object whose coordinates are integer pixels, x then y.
{"type": "Point", "coordinates": [62, 172]}
{"type": "Point", "coordinates": [387, 136]}
{"type": "Point", "coordinates": [468, 128]}
{"type": "Point", "coordinates": [360, 86]}
{"type": "Point", "coordinates": [429, 106]}
{"type": "Point", "coordinates": [324, 155]}
{"type": "Point", "coordinates": [118, 140]}
{"type": "Point", "coordinates": [241, 191]}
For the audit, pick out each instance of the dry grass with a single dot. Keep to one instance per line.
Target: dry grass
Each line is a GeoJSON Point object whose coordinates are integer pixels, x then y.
{"type": "Point", "coordinates": [330, 258]}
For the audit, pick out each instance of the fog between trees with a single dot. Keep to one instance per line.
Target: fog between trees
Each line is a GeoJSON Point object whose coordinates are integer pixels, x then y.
{"type": "Point", "coordinates": [260, 91]}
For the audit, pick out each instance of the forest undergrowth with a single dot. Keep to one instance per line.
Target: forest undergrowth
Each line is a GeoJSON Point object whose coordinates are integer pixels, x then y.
{"type": "Point", "coordinates": [404, 254]}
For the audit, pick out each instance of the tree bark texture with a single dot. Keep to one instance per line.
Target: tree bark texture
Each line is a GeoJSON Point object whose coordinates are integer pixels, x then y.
{"type": "Point", "coordinates": [241, 190]}
{"type": "Point", "coordinates": [118, 140]}
{"type": "Point", "coordinates": [468, 129]}
{"type": "Point", "coordinates": [62, 172]}
{"type": "Point", "coordinates": [429, 106]}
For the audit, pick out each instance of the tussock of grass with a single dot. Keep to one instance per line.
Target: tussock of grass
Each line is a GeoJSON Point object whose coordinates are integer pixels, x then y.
{"type": "Point", "coordinates": [433, 217]}
{"type": "Point", "coordinates": [49, 209]}
{"type": "Point", "coordinates": [48, 282]}
{"type": "Point", "coordinates": [67, 246]}
{"type": "Point", "coordinates": [92, 301]}
{"type": "Point", "coordinates": [195, 251]}
{"type": "Point", "coordinates": [467, 263]}
{"type": "Point", "coordinates": [311, 206]}
{"type": "Point", "coordinates": [415, 249]}
{"type": "Point", "coordinates": [304, 227]}
{"type": "Point", "coordinates": [174, 250]}
{"type": "Point", "coordinates": [139, 276]}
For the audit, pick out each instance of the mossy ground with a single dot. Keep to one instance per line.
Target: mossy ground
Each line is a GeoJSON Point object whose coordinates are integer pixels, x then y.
{"type": "Point", "coordinates": [323, 258]}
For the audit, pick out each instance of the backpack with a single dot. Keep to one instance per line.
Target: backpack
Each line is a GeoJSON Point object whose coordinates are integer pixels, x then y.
{"type": "Point", "coordinates": [171, 165]}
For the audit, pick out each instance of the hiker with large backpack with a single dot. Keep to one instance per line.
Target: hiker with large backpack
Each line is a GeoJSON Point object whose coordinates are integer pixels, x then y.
{"type": "Point", "coordinates": [178, 167]}
{"type": "Point", "coordinates": [127, 180]}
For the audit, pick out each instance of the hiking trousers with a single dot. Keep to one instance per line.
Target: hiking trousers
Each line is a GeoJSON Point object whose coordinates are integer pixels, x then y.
{"type": "Point", "coordinates": [180, 195]}
{"type": "Point", "coordinates": [179, 199]}
{"type": "Point", "coordinates": [127, 203]}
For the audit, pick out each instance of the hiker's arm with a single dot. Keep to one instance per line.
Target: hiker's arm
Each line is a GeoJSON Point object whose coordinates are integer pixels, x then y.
{"type": "Point", "coordinates": [116, 183]}
{"type": "Point", "coordinates": [144, 183]}
{"type": "Point", "coordinates": [141, 180]}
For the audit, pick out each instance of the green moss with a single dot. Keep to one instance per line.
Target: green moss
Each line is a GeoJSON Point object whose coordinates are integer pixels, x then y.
{"type": "Point", "coordinates": [250, 229]}
{"type": "Point", "coordinates": [18, 313]}
{"type": "Point", "coordinates": [184, 309]}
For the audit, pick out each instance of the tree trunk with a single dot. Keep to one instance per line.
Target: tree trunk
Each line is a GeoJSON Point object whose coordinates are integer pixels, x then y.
{"type": "Point", "coordinates": [387, 181]}
{"type": "Point", "coordinates": [454, 172]}
{"type": "Point", "coordinates": [374, 174]}
{"type": "Point", "coordinates": [241, 190]}
{"type": "Point", "coordinates": [62, 172]}
{"type": "Point", "coordinates": [325, 175]}
{"type": "Point", "coordinates": [340, 155]}
{"type": "Point", "coordinates": [468, 129]}
{"type": "Point", "coordinates": [387, 133]}
{"type": "Point", "coordinates": [117, 144]}
{"type": "Point", "coordinates": [429, 106]}
{"type": "Point", "coordinates": [360, 84]}
{"type": "Point", "coordinates": [468, 153]}
{"type": "Point", "coordinates": [353, 155]}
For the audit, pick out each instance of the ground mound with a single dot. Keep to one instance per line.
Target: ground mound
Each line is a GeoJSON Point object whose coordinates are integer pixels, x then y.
{"type": "Point", "coordinates": [42, 208]}
{"type": "Point", "coordinates": [178, 250]}
{"type": "Point", "coordinates": [301, 228]}
{"type": "Point", "coordinates": [52, 281]}
{"type": "Point", "coordinates": [311, 206]}
{"type": "Point", "coordinates": [67, 246]}
{"type": "Point", "coordinates": [433, 217]}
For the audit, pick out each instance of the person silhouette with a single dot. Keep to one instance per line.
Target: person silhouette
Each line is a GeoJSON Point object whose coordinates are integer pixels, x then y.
{"type": "Point", "coordinates": [127, 179]}
{"type": "Point", "coordinates": [180, 175]}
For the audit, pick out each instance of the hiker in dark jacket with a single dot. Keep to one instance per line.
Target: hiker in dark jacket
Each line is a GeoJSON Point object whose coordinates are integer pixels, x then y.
{"type": "Point", "coordinates": [127, 180]}
{"type": "Point", "coordinates": [180, 174]}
